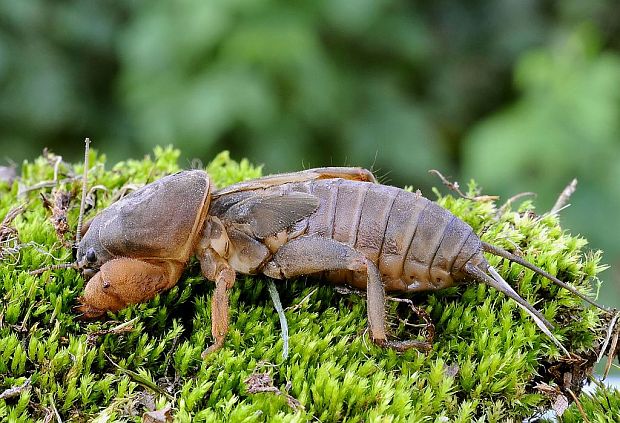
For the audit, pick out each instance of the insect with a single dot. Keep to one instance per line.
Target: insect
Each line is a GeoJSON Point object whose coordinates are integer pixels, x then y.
{"type": "Point", "coordinates": [338, 223]}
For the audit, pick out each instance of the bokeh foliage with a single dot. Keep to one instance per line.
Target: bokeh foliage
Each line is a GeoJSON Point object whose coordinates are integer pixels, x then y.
{"type": "Point", "coordinates": [520, 95]}
{"type": "Point", "coordinates": [565, 124]}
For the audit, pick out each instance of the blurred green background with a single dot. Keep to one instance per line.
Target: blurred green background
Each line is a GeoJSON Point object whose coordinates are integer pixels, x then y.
{"type": "Point", "coordinates": [520, 95]}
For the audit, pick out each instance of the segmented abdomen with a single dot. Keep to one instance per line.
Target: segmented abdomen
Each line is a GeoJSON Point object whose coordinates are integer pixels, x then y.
{"type": "Point", "coordinates": [416, 244]}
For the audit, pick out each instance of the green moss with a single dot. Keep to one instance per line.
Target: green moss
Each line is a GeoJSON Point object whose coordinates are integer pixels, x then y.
{"type": "Point", "coordinates": [486, 360]}
{"type": "Point", "coordinates": [602, 405]}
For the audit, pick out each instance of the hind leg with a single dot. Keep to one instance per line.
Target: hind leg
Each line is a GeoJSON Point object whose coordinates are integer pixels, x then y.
{"type": "Point", "coordinates": [350, 173]}
{"type": "Point", "coordinates": [308, 255]}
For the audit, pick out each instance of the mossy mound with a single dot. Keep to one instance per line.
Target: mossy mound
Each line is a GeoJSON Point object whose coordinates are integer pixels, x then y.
{"type": "Point", "coordinates": [487, 363]}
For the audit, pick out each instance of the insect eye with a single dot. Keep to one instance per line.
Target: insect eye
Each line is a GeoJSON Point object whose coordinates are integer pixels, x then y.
{"type": "Point", "coordinates": [88, 273]}
{"type": "Point", "coordinates": [91, 257]}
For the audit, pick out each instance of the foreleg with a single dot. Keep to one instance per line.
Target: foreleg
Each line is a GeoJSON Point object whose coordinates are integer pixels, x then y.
{"type": "Point", "coordinates": [217, 269]}
{"type": "Point", "coordinates": [125, 281]}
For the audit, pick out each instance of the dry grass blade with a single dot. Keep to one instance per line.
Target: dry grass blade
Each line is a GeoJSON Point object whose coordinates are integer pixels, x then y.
{"type": "Point", "coordinates": [579, 406]}
{"type": "Point", "coordinates": [275, 297]}
{"type": "Point", "coordinates": [511, 200]}
{"type": "Point", "coordinates": [8, 174]}
{"type": "Point", "coordinates": [45, 184]}
{"type": "Point", "coordinates": [122, 328]}
{"type": "Point", "coordinates": [303, 301]}
{"type": "Point", "coordinates": [54, 267]}
{"type": "Point", "coordinates": [78, 234]}
{"type": "Point", "coordinates": [611, 355]}
{"type": "Point", "coordinates": [10, 216]}
{"type": "Point", "coordinates": [565, 195]}
{"type": "Point", "coordinates": [56, 413]}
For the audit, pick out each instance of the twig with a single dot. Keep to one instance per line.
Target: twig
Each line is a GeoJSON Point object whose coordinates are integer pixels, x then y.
{"type": "Point", "coordinates": [511, 200]}
{"type": "Point", "coordinates": [349, 290]}
{"type": "Point", "coordinates": [5, 229]}
{"type": "Point", "coordinates": [9, 238]}
{"type": "Point", "coordinates": [610, 331]}
{"type": "Point", "coordinates": [579, 407]}
{"type": "Point", "coordinates": [273, 292]}
{"type": "Point", "coordinates": [302, 302]}
{"type": "Point", "coordinates": [15, 391]}
{"type": "Point", "coordinates": [36, 246]}
{"type": "Point", "coordinates": [610, 356]}
{"type": "Point", "coordinates": [12, 214]}
{"type": "Point", "coordinates": [91, 197]}
{"type": "Point", "coordinates": [562, 200]}
{"type": "Point", "coordinates": [454, 186]}
{"type": "Point", "coordinates": [422, 314]}
{"type": "Point", "coordinates": [56, 167]}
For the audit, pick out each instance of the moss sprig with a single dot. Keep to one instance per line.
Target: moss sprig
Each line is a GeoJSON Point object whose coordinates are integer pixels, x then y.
{"type": "Point", "coordinates": [485, 364]}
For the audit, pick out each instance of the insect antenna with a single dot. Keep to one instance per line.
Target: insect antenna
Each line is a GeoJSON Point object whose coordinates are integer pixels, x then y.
{"type": "Point", "coordinates": [516, 259]}
{"type": "Point", "coordinates": [78, 235]}
{"type": "Point", "coordinates": [72, 265]}
{"type": "Point", "coordinates": [497, 282]}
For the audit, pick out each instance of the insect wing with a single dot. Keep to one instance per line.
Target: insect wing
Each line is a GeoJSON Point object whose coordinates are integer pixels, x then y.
{"type": "Point", "coordinates": [270, 213]}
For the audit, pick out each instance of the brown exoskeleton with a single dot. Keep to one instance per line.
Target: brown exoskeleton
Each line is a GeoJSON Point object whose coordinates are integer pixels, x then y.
{"type": "Point", "coordinates": [335, 222]}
